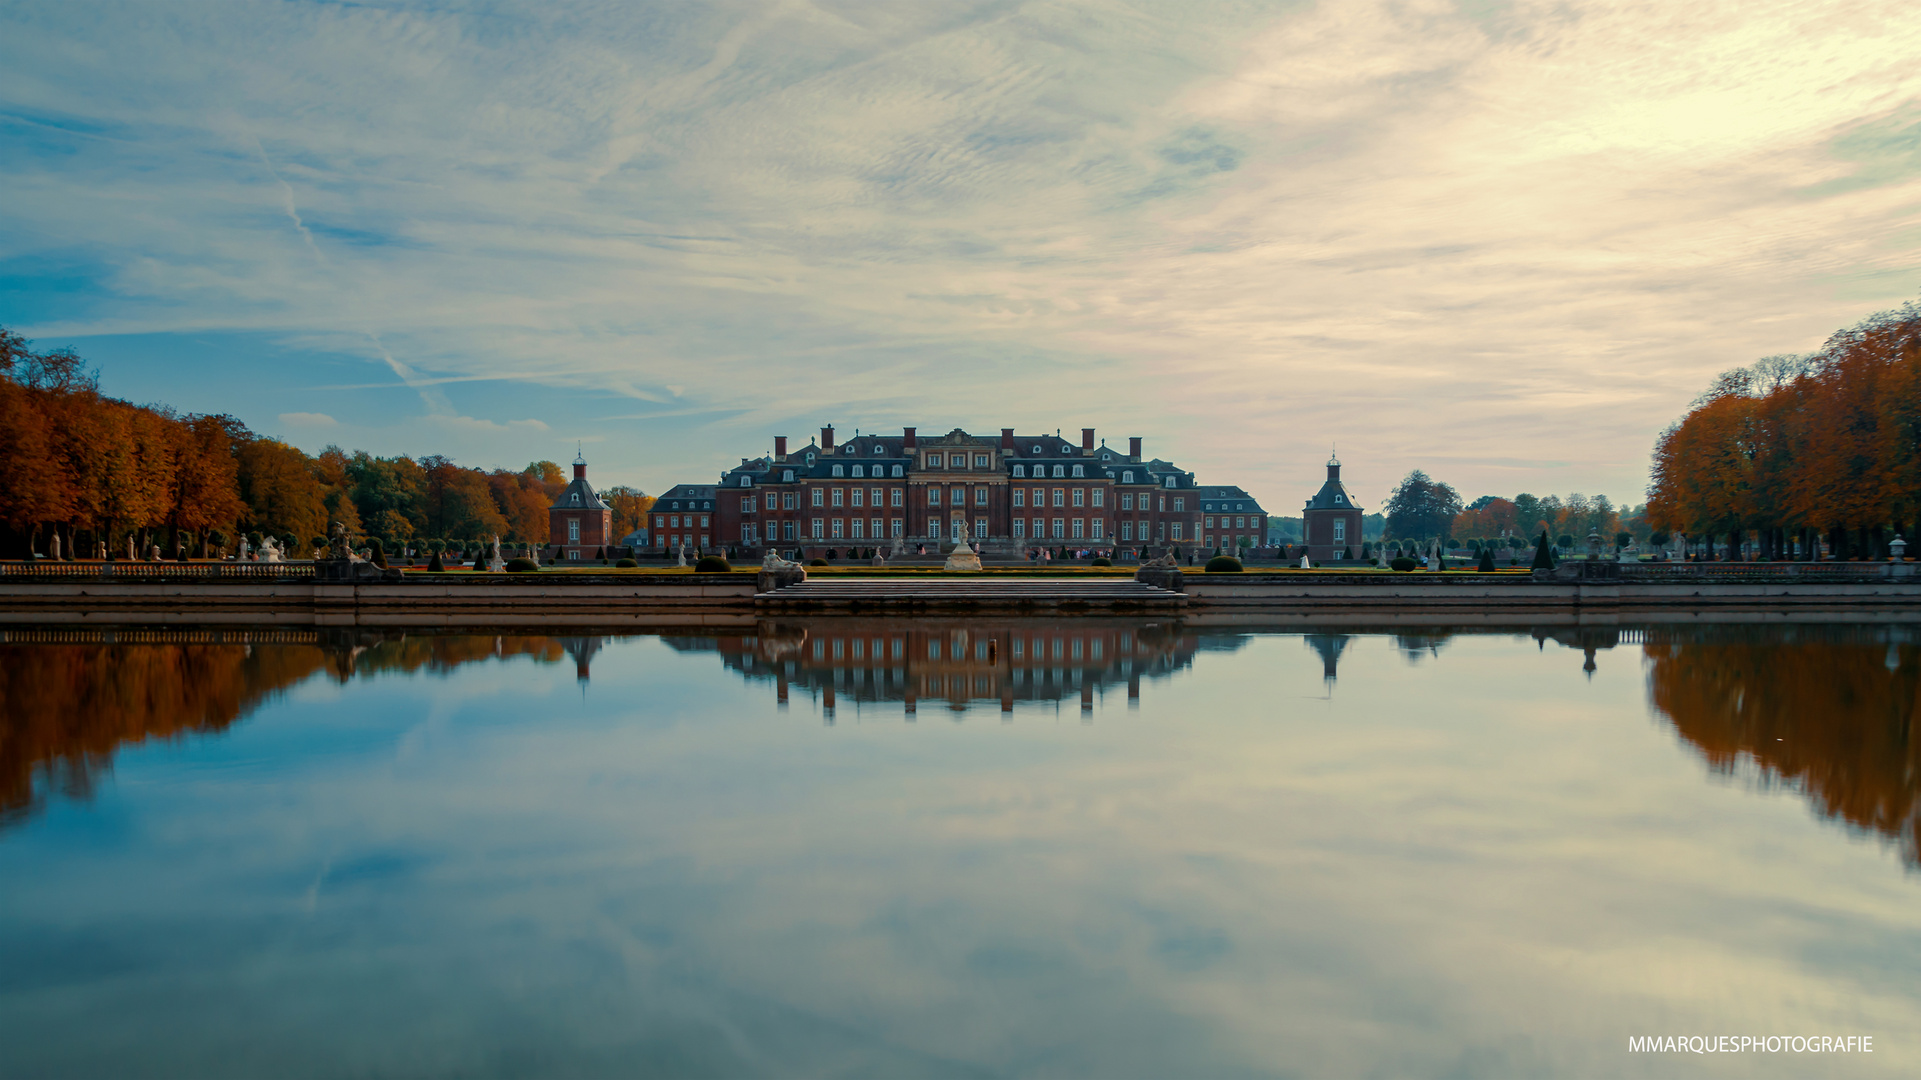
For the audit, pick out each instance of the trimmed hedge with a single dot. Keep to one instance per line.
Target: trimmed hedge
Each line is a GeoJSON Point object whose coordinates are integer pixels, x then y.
{"type": "Point", "coordinates": [1402, 564]}
{"type": "Point", "coordinates": [817, 562]}
{"type": "Point", "coordinates": [626, 564]}
{"type": "Point", "coordinates": [712, 564]}
{"type": "Point", "coordinates": [435, 565]}
{"type": "Point", "coordinates": [522, 566]}
{"type": "Point", "coordinates": [1223, 564]}
{"type": "Point", "coordinates": [1102, 561]}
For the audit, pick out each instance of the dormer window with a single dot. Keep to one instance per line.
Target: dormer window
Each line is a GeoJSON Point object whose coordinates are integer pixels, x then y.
{"type": "Point", "coordinates": [837, 470]}
{"type": "Point", "coordinates": [1171, 481]}
{"type": "Point", "coordinates": [859, 472]}
{"type": "Point", "coordinates": [1337, 498]}
{"type": "Point", "coordinates": [1059, 472]}
{"type": "Point", "coordinates": [746, 481]}
{"type": "Point", "coordinates": [1127, 476]}
{"type": "Point", "coordinates": [810, 459]}
{"type": "Point", "coordinates": [576, 498]}
{"type": "Point", "coordinates": [1037, 451]}
{"type": "Point", "coordinates": [1077, 471]}
{"type": "Point", "coordinates": [1020, 470]}
{"type": "Point", "coordinates": [897, 471]}
{"type": "Point", "coordinates": [787, 476]}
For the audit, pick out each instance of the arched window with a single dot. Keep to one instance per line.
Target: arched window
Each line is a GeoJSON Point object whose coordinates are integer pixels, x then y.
{"type": "Point", "coordinates": [1037, 451]}
{"type": "Point", "coordinates": [1170, 481]}
{"type": "Point", "coordinates": [787, 476]}
{"type": "Point", "coordinates": [897, 471]}
{"type": "Point", "coordinates": [859, 472]}
{"type": "Point", "coordinates": [746, 481]}
{"type": "Point", "coordinates": [1020, 470]}
{"type": "Point", "coordinates": [1058, 471]}
{"type": "Point", "coordinates": [1077, 471]}
{"type": "Point", "coordinates": [576, 498]}
{"type": "Point", "coordinates": [1127, 476]}
{"type": "Point", "coordinates": [837, 471]}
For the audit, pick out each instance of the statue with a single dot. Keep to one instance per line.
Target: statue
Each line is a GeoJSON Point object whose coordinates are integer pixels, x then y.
{"type": "Point", "coordinates": [778, 573]}
{"type": "Point", "coordinates": [899, 545]}
{"type": "Point", "coordinates": [246, 550]}
{"type": "Point", "coordinates": [129, 547]}
{"type": "Point", "coordinates": [1305, 565]}
{"type": "Point", "coordinates": [1167, 559]}
{"type": "Point", "coordinates": [962, 559]}
{"type": "Point", "coordinates": [100, 550]}
{"type": "Point", "coordinates": [269, 551]}
{"type": "Point", "coordinates": [53, 548]}
{"type": "Point", "coordinates": [682, 550]}
{"type": "Point", "coordinates": [496, 563]}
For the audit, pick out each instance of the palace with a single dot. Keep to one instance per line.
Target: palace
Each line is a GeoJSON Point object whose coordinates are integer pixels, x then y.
{"type": "Point", "coordinates": [1013, 493]}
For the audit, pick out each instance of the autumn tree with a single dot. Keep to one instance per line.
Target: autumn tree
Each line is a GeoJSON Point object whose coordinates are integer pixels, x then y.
{"type": "Point", "coordinates": [1421, 508]}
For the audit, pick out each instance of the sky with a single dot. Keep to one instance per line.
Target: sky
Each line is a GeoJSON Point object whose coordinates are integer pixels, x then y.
{"type": "Point", "coordinates": [1503, 242]}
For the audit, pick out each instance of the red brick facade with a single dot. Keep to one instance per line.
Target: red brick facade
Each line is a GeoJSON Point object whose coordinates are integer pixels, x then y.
{"type": "Point", "coordinates": [578, 523]}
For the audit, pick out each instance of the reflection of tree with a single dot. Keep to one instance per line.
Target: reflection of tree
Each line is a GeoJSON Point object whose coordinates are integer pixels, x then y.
{"type": "Point", "coordinates": [65, 709]}
{"type": "Point", "coordinates": [1835, 715]}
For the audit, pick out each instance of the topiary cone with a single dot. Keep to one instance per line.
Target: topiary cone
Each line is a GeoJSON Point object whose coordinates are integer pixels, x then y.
{"type": "Point", "coordinates": [1543, 559]}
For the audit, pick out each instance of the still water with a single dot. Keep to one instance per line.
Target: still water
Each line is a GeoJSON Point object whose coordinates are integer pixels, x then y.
{"type": "Point", "coordinates": [849, 848]}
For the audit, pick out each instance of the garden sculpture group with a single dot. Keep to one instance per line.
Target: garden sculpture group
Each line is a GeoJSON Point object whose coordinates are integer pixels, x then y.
{"type": "Point", "coordinates": [962, 558]}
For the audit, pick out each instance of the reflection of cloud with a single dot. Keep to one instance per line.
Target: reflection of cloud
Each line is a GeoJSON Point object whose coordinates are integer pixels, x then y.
{"type": "Point", "coordinates": [1406, 225]}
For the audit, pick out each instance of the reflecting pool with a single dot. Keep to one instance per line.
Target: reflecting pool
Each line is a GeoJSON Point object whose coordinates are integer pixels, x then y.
{"type": "Point", "coordinates": [940, 847]}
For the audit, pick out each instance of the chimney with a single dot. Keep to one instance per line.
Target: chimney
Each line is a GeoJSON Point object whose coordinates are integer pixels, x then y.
{"type": "Point", "coordinates": [780, 448]}
{"type": "Point", "coordinates": [1087, 442]}
{"type": "Point", "coordinates": [1007, 439]}
{"type": "Point", "coordinates": [827, 439]}
{"type": "Point", "coordinates": [1134, 448]}
{"type": "Point", "coordinates": [907, 440]}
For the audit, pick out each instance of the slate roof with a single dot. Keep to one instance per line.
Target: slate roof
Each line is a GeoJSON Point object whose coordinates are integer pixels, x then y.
{"type": "Point", "coordinates": [1233, 500]}
{"type": "Point", "coordinates": [586, 500]}
{"type": "Point", "coordinates": [686, 497]}
{"type": "Point", "coordinates": [1333, 495]}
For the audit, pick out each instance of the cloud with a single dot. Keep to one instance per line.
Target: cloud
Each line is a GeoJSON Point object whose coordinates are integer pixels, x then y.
{"type": "Point", "coordinates": [1240, 232]}
{"type": "Point", "coordinates": [308, 420]}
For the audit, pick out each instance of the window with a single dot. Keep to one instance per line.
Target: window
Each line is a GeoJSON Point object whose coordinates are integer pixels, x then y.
{"type": "Point", "coordinates": [819, 525]}
{"type": "Point", "coordinates": [873, 528]}
{"type": "Point", "coordinates": [1340, 530]}
{"type": "Point", "coordinates": [1060, 471]}
{"type": "Point", "coordinates": [1177, 530]}
{"type": "Point", "coordinates": [787, 500]}
{"type": "Point", "coordinates": [1040, 497]}
{"type": "Point", "coordinates": [1240, 523]}
{"type": "Point", "coordinates": [1077, 471]}
{"type": "Point", "coordinates": [840, 496]}
{"type": "Point", "coordinates": [1040, 528]}
{"type": "Point", "coordinates": [1127, 501]}
{"type": "Point", "coordinates": [1127, 476]}
{"type": "Point", "coordinates": [748, 534]}
{"type": "Point", "coordinates": [787, 476]}
{"type": "Point", "coordinates": [933, 496]}
{"type": "Point", "coordinates": [859, 472]}
{"type": "Point", "coordinates": [837, 471]}
{"type": "Point", "coordinates": [1020, 470]}
{"type": "Point", "coordinates": [576, 498]}
{"type": "Point", "coordinates": [897, 471]}
{"type": "Point", "coordinates": [573, 554]}
{"type": "Point", "coordinates": [1170, 482]}
{"type": "Point", "coordinates": [746, 504]}
{"type": "Point", "coordinates": [703, 521]}
{"type": "Point", "coordinates": [1209, 522]}
{"type": "Point", "coordinates": [1037, 451]}
{"type": "Point", "coordinates": [980, 496]}
{"type": "Point", "coordinates": [1098, 524]}
{"type": "Point", "coordinates": [933, 461]}
{"type": "Point", "coordinates": [1127, 529]}
{"type": "Point", "coordinates": [1080, 496]}
{"type": "Point", "coordinates": [980, 461]}
{"type": "Point", "coordinates": [898, 526]}
{"type": "Point", "coordinates": [1060, 529]}
{"type": "Point", "coordinates": [1020, 528]}
{"type": "Point", "coordinates": [820, 497]}
{"type": "Point", "coordinates": [786, 530]}
{"type": "Point", "coordinates": [839, 527]}
{"type": "Point", "coordinates": [1337, 498]}
{"type": "Point", "coordinates": [1080, 529]}
{"type": "Point", "coordinates": [771, 503]}
{"type": "Point", "coordinates": [1020, 496]}
{"type": "Point", "coordinates": [897, 499]}
{"type": "Point", "coordinates": [1100, 496]}
{"type": "Point", "coordinates": [980, 526]}
{"type": "Point", "coordinates": [1060, 496]}
{"type": "Point", "coordinates": [933, 527]}
{"type": "Point", "coordinates": [573, 530]}
{"type": "Point", "coordinates": [857, 495]}
{"type": "Point", "coordinates": [746, 481]}
{"type": "Point", "coordinates": [1179, 504]}
{"type": "Point", "coordinates": [860, 531]}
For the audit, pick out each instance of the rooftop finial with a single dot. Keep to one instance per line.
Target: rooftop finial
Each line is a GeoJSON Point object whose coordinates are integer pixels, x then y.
{"type": "Point", "coordinates": [580, 456]}
{"type": "Point", "coordinates": [1333, 458]}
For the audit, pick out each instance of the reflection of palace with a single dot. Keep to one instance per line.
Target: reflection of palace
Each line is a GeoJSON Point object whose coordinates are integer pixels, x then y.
{"type": "Point", "coordinates": [958, 662]}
